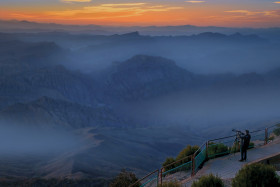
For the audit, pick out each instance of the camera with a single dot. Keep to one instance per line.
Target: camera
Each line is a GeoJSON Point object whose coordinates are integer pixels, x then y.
{"type": "Point", "coordinates": [238, 132]}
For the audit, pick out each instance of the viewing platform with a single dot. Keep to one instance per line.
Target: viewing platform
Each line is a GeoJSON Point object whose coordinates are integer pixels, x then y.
{"type": "Point", "coordinates": [226, 167]}
{"type": "Point", "coordinates": [219, 157]}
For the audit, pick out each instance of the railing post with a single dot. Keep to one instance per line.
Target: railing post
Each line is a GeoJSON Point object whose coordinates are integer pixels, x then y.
{"type": "Point", "coordinates": [266, 136]}
{"type": "Point", "coordinates": [193, 164]}
{"type": "Point", "coordinates": [161, 176]}
{"type": "Point", "coordinates": [158, 176]}
{"type": "Point", "coordinates": [206, 150]}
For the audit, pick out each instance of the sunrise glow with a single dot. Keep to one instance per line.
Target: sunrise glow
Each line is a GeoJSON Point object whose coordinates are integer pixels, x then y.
{"type": "Point", "coordinates": [257, 13]}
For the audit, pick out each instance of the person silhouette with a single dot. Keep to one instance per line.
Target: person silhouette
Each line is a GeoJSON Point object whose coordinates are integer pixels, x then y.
{"type": "Point", "coordinates": [245, 141]}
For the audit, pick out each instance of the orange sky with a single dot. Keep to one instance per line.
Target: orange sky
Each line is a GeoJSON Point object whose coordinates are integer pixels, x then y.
{"type": "Point", "coordinates": [253, 13]}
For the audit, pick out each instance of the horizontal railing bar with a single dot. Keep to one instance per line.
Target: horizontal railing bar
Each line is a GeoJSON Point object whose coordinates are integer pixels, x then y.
{"type": "Point", "coordinates": [222, 138]}
{"type": "Point", "coordinates": [176, 162]}
{"type": "Point", "coordinates": [273, 125]}
{"type": "Point", "coordinates": [144, 177]}
{"type": "Point", "coordinates": [234, 135]}
{"type": "Point", "coordinates": [200, 148]}
{"type": "Point", "coordinates": [257, 131]}
{"type": "Point", "coordinates": [149, 181]}
{"type": "Point", "coordinates": [176, 167]}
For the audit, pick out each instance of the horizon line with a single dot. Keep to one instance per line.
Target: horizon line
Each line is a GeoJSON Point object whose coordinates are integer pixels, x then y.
{"type": "Point", "coordinates": [127, 26]}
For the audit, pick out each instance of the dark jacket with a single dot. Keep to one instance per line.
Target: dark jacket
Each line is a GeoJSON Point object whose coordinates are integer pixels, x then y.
{"type": "Point", "coordinates": [246, 141]}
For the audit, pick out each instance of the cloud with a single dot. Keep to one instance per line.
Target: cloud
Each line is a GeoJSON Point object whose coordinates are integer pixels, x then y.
{"type": "Point", "coordinates": [277, 2]}
{"type": "Point", "coordinates": [104, 11]}
{"type": "Point", "coordinates": [195, 1]}
{"type": "Point", "coordinates": [246, 12]}
{"type": "Point", "coordinates": [78, 1]}
{"type": "Point", "coordinates": [255, 13]}
{"type": "Point", "coordinates": [123, 4]}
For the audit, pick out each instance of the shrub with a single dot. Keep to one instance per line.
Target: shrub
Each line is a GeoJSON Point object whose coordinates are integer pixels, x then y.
{"type": "Point", "coordinates": [276, 131]}
{"type": "Point", "coordinates": [251, 145]}
{"type": "Point", "coordinates": [168, 161]}
{"type": "Point", "coordinates": [216, 150]}
{"type": "Point", "coordinates": [170, 184]}
{"type": "Point", "coordinates": [271, 138]}
{"type": "Point", "coordinates": [189, 150]}
{"type": "Point", "coordinates": [209, 181]}
{"type": "Point", "coordinates": [124, 179]}
{"type": "Point", "coordinates": [235, 148]}
{"type": "Point", "coordinates": [256, 175]}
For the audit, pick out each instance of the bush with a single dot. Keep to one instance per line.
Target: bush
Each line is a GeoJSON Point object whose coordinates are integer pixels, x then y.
{"type": "Point", "coordinates": [216, 150]}
{"type": "Point", "coordinates": [256, 175]}
{"type": "Point", "coordinates": [168, 161]}
{"type": "Point", "coordinates": [271, 138]}
{"type": "Point", "coordinates": [170, 184]}
{"type": "Point", "coordinates": [235, 148]}
{"type": "Point", "coordinates": [189, 150]}
{"type": "Point", "coordinates": [276, 131]}
{"type": "Point", "coordinates": [209, 181]}
{"type": "Point", "coordinates": [124, 179]}
{"type": "Point", "coordinates": [251, 145]}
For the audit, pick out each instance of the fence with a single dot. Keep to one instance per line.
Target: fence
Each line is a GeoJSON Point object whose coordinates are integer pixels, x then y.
{"type": "Point", "coordinates": [177, 171]}
{"type": "Point", "coordinates": [150, 180]}
{"type": "Point", "coordinates": [199, 157]}
{"type": "Point", "coordinates": [188, 166]}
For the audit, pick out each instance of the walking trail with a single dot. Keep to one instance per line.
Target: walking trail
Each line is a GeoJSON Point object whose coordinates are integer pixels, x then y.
{"type": "Point", "coordinates": [226, 167]}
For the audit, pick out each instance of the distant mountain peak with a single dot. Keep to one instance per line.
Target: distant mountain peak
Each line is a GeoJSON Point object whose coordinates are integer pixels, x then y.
{"type": "Point", "coordinates": [211, 34]}
{"type": "Point", "coordinates": [132, 34]}
{"type": "Point", "coordinates": [144, 76]}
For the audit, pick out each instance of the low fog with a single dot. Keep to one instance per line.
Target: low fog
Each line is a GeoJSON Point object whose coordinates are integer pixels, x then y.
{"type": "Point", "coordinates": [201, 53]}
{"type": "Point", "coordinates": [17, 140]}
{"type": "Point", "coordinates": [205, 110]}
{"type": "Point", "coordinates": [99, 103]}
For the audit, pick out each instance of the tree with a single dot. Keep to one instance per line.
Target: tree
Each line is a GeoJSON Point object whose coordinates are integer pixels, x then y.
{"type": "Point", "coordinates": [256, 175]}
{"type": "Point", "coordinates": [124, 179]}
{"type": "Point", "coordinates": [209, 181]}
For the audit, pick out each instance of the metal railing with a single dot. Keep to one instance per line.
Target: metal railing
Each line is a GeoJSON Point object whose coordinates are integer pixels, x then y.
{"type": "Point", "coordinates": [149, 180]}
{"type": "Point", "coordinates": [188, 166]}
{"type": "Point", "coordinates": [176, 171]}
{"type": "Point", "coordinates": [199, 157]}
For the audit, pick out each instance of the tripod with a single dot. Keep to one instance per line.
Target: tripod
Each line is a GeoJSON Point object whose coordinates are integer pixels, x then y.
{"type": "Point", "coordinates": [235, 143]}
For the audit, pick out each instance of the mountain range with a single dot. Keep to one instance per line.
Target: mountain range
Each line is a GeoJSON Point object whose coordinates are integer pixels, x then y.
{"type": "Point", "coordinates": [129, 105]}
{"type": "Point", "coordinates": [32, 27]}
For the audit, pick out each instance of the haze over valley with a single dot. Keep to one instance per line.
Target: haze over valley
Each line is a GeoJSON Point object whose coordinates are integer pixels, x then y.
{"type": "Point", "coordinates": [86, 101]}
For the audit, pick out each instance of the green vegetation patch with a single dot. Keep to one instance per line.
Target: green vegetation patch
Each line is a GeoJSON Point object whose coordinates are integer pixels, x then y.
{"type": "Point", "coordinates": [181, 158]}
{"type": "Point", "coordinates": [256, 175]}
{"type": "Point", "coordinates": [216, 150]}
{"type": "Point", "coordinates": [209, 181]}
{"type": "Point", "coordinates": [276, 131]}
{"type": "Point", "coordinates": [124, 179]}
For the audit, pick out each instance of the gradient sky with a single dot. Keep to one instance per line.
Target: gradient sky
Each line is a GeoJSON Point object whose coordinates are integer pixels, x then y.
{"type": "Point", "coordinates": [233, 13]}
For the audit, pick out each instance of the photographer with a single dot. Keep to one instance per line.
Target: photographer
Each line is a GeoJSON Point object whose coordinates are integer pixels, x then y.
{"type": "Point", "coordinates": [245, 141]}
